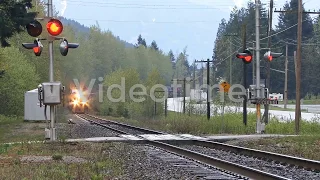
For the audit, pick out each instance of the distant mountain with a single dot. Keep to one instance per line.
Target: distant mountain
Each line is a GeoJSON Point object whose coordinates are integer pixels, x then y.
{"type": "Point", "coordinates": [84, 29]}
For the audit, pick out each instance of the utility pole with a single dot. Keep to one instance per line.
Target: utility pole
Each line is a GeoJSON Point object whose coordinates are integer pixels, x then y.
{"type": "Point", "coordinates": [194, 75]}
{"type": "Point", "coordinates": [245, 98]}
{"type": "Point", "coordinates": [52, 107]}
{"type": "Point", "coordinates": [259, 124]}
{"type": "Point", "coordinates": [230, 62]}
{"type": "Point", "coordinates": [266, 106]}
{"type": "Point", "coordinates": [286, 80]}
{"type": "Point", "coordinates": [298, 70]}
{"type": "Point", "coordinates": [208, 86]}
{"type": "Point", "coordinates": [298, 60]}
{"type": "Point", "coordinates": [253, 65]}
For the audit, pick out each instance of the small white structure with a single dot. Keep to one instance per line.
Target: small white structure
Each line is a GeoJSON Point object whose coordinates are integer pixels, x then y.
{"type": "Point", "coordinates": [198, 95]}
{"type": "Point", "coordinates": [32, 109]}
{"type": "Point", "coordinates": [275, 96]}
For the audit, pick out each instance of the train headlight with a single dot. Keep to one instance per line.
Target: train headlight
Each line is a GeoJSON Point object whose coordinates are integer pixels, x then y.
{"type": "Point", "coordinates": [75, 102]}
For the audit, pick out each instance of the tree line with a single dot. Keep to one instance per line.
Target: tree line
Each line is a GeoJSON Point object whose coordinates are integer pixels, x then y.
{"type": "Point", "coordinates": [284, 33]}
{"type": "Point", "coordinates": [101, 54]}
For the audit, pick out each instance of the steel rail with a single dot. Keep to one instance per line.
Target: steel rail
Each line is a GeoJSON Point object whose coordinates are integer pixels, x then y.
{"type": "Point", "coordinates": [104, 126]}
{"type": "Point", "coordinates": [229, 166]}
{"type": "Point", "coordinates": [147, 131]}
{"type": "Point", "coordinates": [301, 162]}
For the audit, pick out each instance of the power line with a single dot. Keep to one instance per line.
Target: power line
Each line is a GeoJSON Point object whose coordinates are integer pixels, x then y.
{"type": "Point", "coordinates": [283, 30]}
{"type": "Point", "coordinates": [135, 21]}
{"type": "Point", "coordinates": [149, 6]}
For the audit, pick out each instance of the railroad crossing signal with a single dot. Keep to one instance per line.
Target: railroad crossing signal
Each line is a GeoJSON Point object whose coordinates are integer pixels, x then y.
{"type": "Point", "coordinates": [54, 28]}
{"type": "Point", "coordinates": [269, 56]}
{"type": "Point", "coordinates": [246, 56]}
{"type": "Point", "coordinates": [225, 86]}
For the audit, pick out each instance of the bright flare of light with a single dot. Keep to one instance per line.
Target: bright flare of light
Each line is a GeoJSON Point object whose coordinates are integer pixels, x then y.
{"type": "Point", "coordinates": [75, 102]}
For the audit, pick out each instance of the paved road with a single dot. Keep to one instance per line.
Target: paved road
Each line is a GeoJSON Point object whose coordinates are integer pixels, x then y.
{"type": "Point", "coordinates": [309, 108]}
{"type": "Point", "coordinates": [175, 104]}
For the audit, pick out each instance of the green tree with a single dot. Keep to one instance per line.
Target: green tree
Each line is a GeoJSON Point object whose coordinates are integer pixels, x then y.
{"type": "Point", "coordinates": [154, 46]}
{"type": "Point", "coordinates": [20, 76]}
{"type": "Point", "coordinates": [287, 27]}
{"type": "Point", "coordinates": [13, 16]}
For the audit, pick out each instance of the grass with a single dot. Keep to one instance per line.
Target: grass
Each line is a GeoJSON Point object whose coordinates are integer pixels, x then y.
{"type": "Point", "coordinates": [14, 129]}
{"type": "Point", "coordinates": [102, 161]}
{"type": "Point", "coordinates": [227, 124]}
{"type": "Point", "coordinates": [100, 165]}
{"type": "Point", "coordinates": [301, 146]}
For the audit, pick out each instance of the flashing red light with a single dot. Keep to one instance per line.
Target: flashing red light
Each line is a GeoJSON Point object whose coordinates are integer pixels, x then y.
{"type": "Point", "coordinates": [54, 27]}
{"type": "Point", "coordinates": [248, 58]}
{"type": "Point", "coordinates": [245, 56]}
{"type": "Point", "coordinates": [270, 58]}
{"type": "Point", "coordinates": [36, 50]}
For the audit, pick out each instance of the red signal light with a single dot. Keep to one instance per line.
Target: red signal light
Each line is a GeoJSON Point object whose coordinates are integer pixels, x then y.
{"type": "Point", "coordinates": [270, 58]}
{"type": "Point", "coordinates": [36, 50]}
{"type": "Point", "coordinates": [54, 27]}
{"type": "Point", "coordinates": [248, 58]}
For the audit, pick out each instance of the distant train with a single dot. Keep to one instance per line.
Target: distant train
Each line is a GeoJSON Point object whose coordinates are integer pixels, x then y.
{"type": "Point", "coordinates": [79, 101]}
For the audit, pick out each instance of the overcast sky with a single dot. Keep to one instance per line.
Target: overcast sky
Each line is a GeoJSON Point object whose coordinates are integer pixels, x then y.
{"type": "Point", "coordinates": [173, 24]}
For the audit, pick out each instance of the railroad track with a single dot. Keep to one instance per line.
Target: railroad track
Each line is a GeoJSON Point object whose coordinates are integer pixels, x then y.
{"type": "Point", "coordinates": [193, 153]}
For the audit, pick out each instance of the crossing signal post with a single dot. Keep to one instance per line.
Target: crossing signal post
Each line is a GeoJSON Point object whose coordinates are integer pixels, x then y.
{"type": "Point", "coordinates": [269, 56]}
{"type": "Point", "coordinates": [54, 28]}
{"type": "Point", "coordinates": [246, 57]}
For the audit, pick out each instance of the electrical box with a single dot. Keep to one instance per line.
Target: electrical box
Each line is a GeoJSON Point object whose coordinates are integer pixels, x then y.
{"type": "Point", "coordinates": [52, 93]}
{"type": "Point", "coordinates": [251, 93]}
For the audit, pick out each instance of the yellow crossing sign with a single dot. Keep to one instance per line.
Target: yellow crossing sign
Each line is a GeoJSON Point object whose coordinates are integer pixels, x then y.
{"type": "Point", "coordinates": [225, 86]}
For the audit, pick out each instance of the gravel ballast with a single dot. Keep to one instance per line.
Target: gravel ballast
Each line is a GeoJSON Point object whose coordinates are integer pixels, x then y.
{"type": "Point", "coordinates": [143, 161]}
{"type": "Point", "coordinates": [83, 129]}
{"type": "Point", "coordinates": [270, 167]}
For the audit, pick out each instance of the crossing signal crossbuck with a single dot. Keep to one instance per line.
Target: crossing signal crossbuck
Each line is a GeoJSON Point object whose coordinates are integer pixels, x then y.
{"type": "Point", "coordinates": [269, 56]}
{"type": "Point", "coordinates": [246, 56]}
{"type": "Point", "coordinates": [54, 28]}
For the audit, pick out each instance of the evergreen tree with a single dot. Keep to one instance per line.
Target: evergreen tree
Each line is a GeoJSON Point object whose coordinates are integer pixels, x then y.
{"type": "Point", "coordinates": [287, 27]}
{"type": "Point", "coordinates": [13, 16]}
{"type": "Point", "coordinates": [139, 40]}
{"type": "Point", "coordinates": [171, 55]}
{"type": "Point", "coordinates": [154, 46]}
{"type": "Point", "coordinates": [144, 43]}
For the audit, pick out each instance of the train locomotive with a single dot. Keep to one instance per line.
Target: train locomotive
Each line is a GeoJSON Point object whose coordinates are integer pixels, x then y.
{"type": "Point", "coordinates": [78, 101]}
